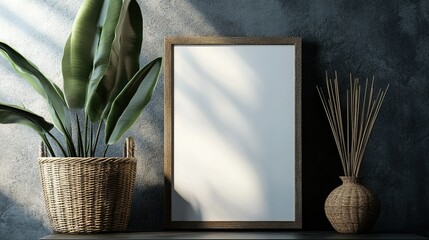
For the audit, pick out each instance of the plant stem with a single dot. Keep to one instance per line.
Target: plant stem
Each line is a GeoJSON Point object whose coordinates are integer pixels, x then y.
{"type": "Point", "coordinates": [68, 139]}
{"type": "Point", "coordinates": [105, 150]}
{"type": "Point", "coordinates": [58, 143]}
{"type": "Point", "coordinates": [79, 138]}
{"type": "Point", "coordinates": [96, 137]}
{"type": "Point", "coordinates": [91, 154]}
{"type": "Point", "coordinates": [48, 145]}
{"type": "Point", "coordinates": [85, 136]}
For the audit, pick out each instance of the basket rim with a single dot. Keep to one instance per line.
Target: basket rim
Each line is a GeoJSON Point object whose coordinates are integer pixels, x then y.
{"type": "Point", "coordinates": [82, 157]}
{"type": "Point", "coordinates": [86, 159]}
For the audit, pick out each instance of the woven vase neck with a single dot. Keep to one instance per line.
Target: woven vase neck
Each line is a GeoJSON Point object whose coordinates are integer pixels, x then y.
{"type": "Point", "coordinates": [349, 180]}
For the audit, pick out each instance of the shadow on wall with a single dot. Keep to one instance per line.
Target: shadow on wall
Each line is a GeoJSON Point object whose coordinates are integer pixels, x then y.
{"type": "Point", "coordinates": [396, 157]}
{"type": "Point", "coordinates": [381, 171]}
{"type": "Point", "coordinates": [321, 165]}
{"type": "Point", "coordinates": [183, 208]}
{"type": "Point", "coordinates": [147, 210]}
{"type": "Point", "coordinates": [17, 222]}
{"type": "Point", "coordinates": [402, 188]}
{"type": "Point", "coordinates": [396, 165]}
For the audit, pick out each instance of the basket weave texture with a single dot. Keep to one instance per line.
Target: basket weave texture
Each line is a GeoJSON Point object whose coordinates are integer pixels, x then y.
{"type": "Point", "coordinates": [89, 195]}
{"type": "Point", "coordinates": [352, 208]}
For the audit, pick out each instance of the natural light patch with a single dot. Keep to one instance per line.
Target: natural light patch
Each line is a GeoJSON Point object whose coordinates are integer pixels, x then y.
{"type": "Point", "coordinates": [39, 23]}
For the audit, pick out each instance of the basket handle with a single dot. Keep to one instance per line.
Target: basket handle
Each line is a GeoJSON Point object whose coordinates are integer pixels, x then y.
{"type": "Point", "coordinates": [43, 151]}
{"type": "Point", "coordinates": [128, 148]}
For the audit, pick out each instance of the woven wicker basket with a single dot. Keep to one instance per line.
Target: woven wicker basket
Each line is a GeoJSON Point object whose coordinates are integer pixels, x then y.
{"type": "Point", "coordinates": [352, 208]}
{"type": "Point", "coordinates": [88, 195]}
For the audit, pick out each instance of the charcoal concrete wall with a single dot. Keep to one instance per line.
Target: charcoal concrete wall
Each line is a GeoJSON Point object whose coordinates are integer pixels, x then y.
{"type": "Point", "coordinates": [385, 38]}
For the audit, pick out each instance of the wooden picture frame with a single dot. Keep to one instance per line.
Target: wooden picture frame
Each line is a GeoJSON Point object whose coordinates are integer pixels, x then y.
{"type": "Point", "coordinates": [232, 133]}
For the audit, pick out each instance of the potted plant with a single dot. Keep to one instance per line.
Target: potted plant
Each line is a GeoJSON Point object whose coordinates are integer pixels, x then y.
{"type": "Point", "coordinates": [85, 191]}
{"type": "Point", "coordinates": [351, 208]}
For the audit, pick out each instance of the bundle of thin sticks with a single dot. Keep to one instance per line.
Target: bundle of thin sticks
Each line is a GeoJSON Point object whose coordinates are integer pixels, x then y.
{"type": "Point", "coordinates": [361, 113]}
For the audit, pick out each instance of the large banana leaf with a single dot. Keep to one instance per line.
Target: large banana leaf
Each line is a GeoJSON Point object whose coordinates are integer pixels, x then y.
{"type": "Point", "coordinates": [51, 92]}
{"type": "Point", "coordinates": [14, 114]}
{"type": "Point", "coordinates": [113, 72]}
{"type": "Point", "coordinates": [131, 101]}
{"type": "Point", "coordinates": [88, 48]}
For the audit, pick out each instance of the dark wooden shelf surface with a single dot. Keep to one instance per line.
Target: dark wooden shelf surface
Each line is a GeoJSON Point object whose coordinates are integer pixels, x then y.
{"type": "Point", "coordinates": [235, 235]}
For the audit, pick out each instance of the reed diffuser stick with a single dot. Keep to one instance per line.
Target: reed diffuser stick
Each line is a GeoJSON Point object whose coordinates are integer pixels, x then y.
{"type": "Point", "coordinates": [352, 138]}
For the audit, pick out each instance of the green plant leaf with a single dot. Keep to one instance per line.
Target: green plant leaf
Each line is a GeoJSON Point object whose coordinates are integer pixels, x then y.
{"type": "Point", "coordinates": [51, 92]}
{"type": "Point", "coordinates": [14, 114]}
{"type": "Point", "coordinates": [117, 63]}
{"type": "Point", "coordinates": [88, 48]}
{"type": "Point", "coordinates": [80, 150]}
{"type": "Point", "coordinates": [131, 101]}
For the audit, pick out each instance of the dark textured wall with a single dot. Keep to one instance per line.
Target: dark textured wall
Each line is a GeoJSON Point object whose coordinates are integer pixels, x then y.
{"type": "Point", "coordinates": [385, 38]}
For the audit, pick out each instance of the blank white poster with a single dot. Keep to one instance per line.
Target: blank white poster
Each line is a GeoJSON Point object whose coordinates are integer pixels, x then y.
{"type": "Point", "coordinates": [234, 133]}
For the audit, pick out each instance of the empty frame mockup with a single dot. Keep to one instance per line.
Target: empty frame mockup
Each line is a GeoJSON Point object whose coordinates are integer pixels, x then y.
{"type": "Point", "coordinates": [232, 123]}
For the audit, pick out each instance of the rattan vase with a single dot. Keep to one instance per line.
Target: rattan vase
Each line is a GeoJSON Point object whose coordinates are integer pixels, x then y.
{"type": "Point", "coordinates": [88, 195]}
{"type": "Point", "coordinates": [352, 208]}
